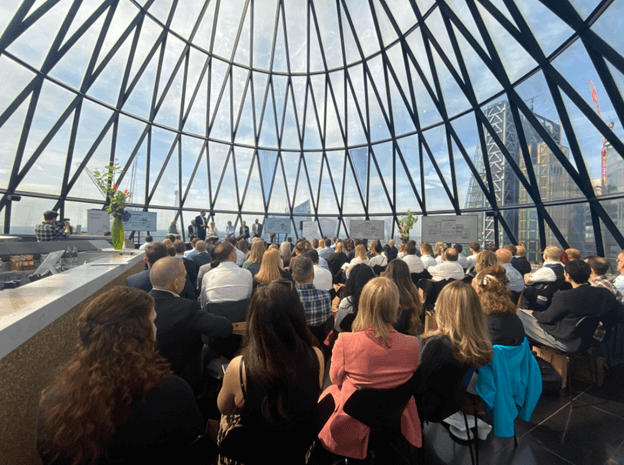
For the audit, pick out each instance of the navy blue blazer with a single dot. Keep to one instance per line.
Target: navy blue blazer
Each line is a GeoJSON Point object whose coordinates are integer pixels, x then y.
{"type": "Point", "coordinates": [141, 281]}
{"type": "Point", "coordinates": [200, 259]}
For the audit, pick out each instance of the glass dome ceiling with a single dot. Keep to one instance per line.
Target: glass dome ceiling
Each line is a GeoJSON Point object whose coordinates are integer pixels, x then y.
{"type": "Point", "coordinates": [320, 110]}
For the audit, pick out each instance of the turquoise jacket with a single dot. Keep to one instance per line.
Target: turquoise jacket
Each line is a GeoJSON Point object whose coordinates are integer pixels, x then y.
{"type": "Point", "coordinates": [511, 380]}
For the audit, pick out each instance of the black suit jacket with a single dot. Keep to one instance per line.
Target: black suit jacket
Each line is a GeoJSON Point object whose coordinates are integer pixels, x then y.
{"type": "Point", "coordinates": [568, 307]}
{"type": "Point", "coordinates": [244, 231]}
{"type": "Point", "coordinates": [141, 281]}
{"type": "Point", "coordinates": [191, 270]}
{"type": "Point", "coordinates": [523, 267]}
{"type": "Point", "coordinates": [180, 324]}
{"type": "Point", "coordinates": [201, 224]}
{"type": "Point", "coordinates": [200, 259]}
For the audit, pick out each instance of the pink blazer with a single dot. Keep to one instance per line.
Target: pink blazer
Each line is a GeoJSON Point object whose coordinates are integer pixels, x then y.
{"type": "Point", "coordinates": [359, 361]}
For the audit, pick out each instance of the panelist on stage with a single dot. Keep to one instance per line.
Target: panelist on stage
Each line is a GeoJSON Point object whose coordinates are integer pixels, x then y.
{"type": "Point", "coordinates": [229, 230]}
{"type": "Point", "coordinates": [256, 229]}
{"type": "Point", "coordinates": [200, 223]}
{"type": "Point", "coordinates": [50, 229]}
{"type": "Point", "coordinates": [212, 232]}
{"type": "Point", "coordinates": [243, 231]}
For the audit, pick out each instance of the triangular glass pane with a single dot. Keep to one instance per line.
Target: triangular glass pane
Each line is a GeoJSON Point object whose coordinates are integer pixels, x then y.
{"type": "Point", "coordinates": [500, 5]}
{"type": "Point", "coordinates": [328, 226]}
{"type": "Point", "coordinates": [460, 8]}
{"type": "Point", "coordinates": [338, 97]}
{"type": "Point", "coordinates": [261, 90]}
{"type": "Point", "coordinates": [149, 35]}
{"type": "Point", "coordinates": [9, 8]}
{"type": "Point", "coordinates": [384, 155]}
{"type": "Point", "coordinates": [93, 118]}
{"type": "Point", "coordinates": [436, 140]}
{"type": "Point", "coordinates": [198, 194]}
{"type": "Point", "coordinates": [352, 203]}
{"type": "Point", "coordinates": [417, 46]}
{"type": "Point", "coordinates": [618, 78]}
{"type": "Point", "coordinates": [124, 15]}
{"type": "Point", "coordinates": [84, 187]}
{"type": "Point", "coordinates": [243, 158]}
{"type": "Point", "coordinates": [312, 136]}
{"type": "Point", "coordinates": [240, 78]}
{"type": "Point", "coordinates": [612, 248]}
{"type": "Point", "coordinates": [291, 162]}
{"type": "Point", "coordinates": [435, 196]}
{"type": "Point", "coordinates": [299, 85]}
{"type": "Point", "coordinates": [378, 126]}
{"type": "Point", "coordinates": [313, 164]}
{"type": "Point", "coordinates": [268, 160]}
{"type": "Point", "coordinates": [561, 216]}
{"type": "Point", "coordinates": [428, 113]}
{"type": "Point", "coordinates": [548, 29]}
{"type": "Point", "coordinates": [245, 130]}
{"type": "Point", "coordinates": [184, 19]}
{"type": "Point", "coordinates": [129, 131]}
{"type": "Point", "coordinates": [71, 68]}
{"type": "Point", "coordinates": [230, 16]}
{"type": "Point", "coordinates": [107, 85]}
{"type": "Point", "coordinates": [316, 55]}
{"type": "Point", "coordinates": [403, 14]}
{"type": "Point", "coordinates": [264, 23]}
{"type": "Point", "coordinates": [167, 192]}
{"type": "Point", "coordinates": [14, 77]}
{"type": "Point", "coordinates": [327, 199]}
{"type": "Point", "coordinates": [436, 24]}
{"type": "Point", "coordinates": [290, 133]}
{"type": "Point", "coordinates": [222, 122]}
{"type": "Point", "coordinates": [317, 89]}
{"type": "Point", "coordinates": [217, 155]}
{"type": "Point", "coordinates": [197, 61]}
{"type": "Point", "coordinates": [139, 102]}
{"type": "Point", "coordinates": [242, 55]}
{"type": "Point", "coordinates": [395, 56]}
{"type": "Point", "coordinates": [352, 54]}
{"type": "Point", "coordinates": [137, 175]}
{"type": "Point", "coordinates": [296, 12]}
{"type": "Point", "coordinates": [280, 62]}
{"type": "Point", "coordinates": [278, 202]}
{"type": "Point", "coordinates": [362, 19]}
{"type": "Point", "coordinates": [388, 33]}
{"type": "Point", "coordinates": [196, 119]}
{"type": "Point", "coordinates": [226, 196]}
{"type": "Point", "coordinates": [333, 129]}
{"type": "Point", "coordinates": [327, 17]}
{"type": "Point", "coordinates": [34, 43]}
{"type": "Point", "coordinates": [356, 132]}
{"type": "Point", "coordinates": [279, 91]}
{"type": "Point", "coordinates": [377, 199]}
{"type": "Point", "coordinates": [191, 148]}
{"type": "Point", "coordinates": [609, 27]}
{"type": "Point", "coordinates": [161, 9]}
{"type": "Point", "coordinates": [268, 136]}
{"type": "Point", "coordinates": [171, 107]}
{"type": "Point", "coordinates": [336, 162]}
{"type": "Point", "coordinates": [584, 7]}
{"type": "Point", "coordinates": [303, 189]}
{"type": "Point", "coordinates": [403, 122]}
{"type": "Point", "coordinates": [53, 101]}
{"type": "Point", "coordinates": [46, 175]}
{"type": "Point", "coordinates": [454, 98]}
{"type": "Point", "coordinates": [254, 198]}
{"type": "Point", "coordinates": [10, 134]}
{"type": "Point", "coordinates": [85, 11]}
{"type": "Point", "coordinates": [203, 36]}
{"type": "Point", "coordinates": [174, 49]}
{"type": "Point", "coordinates": [462, 174]}
{"type": "Point", "coordinates": [359, 162]}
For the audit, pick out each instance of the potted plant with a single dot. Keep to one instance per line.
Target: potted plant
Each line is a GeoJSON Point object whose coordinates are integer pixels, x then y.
{"type": "Point", "coordinates": [406, 222]}
{"type": "Point", "coordinates": [116, 201]}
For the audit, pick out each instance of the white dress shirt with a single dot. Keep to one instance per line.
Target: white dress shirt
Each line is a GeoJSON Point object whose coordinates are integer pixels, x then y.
{"type": "Point", "coordinates": [427, 261]}
{"type": "Point", "coordinates": [322, 278]}
{"type": "Point", "coordinates": [447, 270]}
{"type": "Point", "coordinates": [240, 257]}
{"type": "Point", "coordinates": [544, 274]}
{"type": "Point", "coordinates": [227, 282]}
{"type": "Point", "coordinates": [190, 253]}
{"type": "Point", "coordinates": [472, 260]}
{"type": "Point", "coordinates": [462, 260]}
{"type": "Point", "coordinates": [414, 263]}
{"type": "Point", "coordinates": [145, 244]}
{"type": "Point", "coordinates": [380, 260]}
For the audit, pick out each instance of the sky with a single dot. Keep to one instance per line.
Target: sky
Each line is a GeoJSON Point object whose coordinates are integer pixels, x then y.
{"type": "Point", "coordinates": [302, 112]}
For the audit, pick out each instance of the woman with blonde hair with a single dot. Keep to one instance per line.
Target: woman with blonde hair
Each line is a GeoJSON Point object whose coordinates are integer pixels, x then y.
{"type": "Point", "coordinates": [500, 312]}
{"type": "Point", "coordinates": [285, 253]}
{"type": "Point", "coordinates": [242, 246]}
{"type": "Point", "coordinates": [440, 248]}
{"type": "Point", "coordinates": [374, 355]}
{"type": "Point", "coordinates": [117, 400]}
{"type": "Point", "coordinates": [401, 250]}
{"type": "Point", "coordinates": [255, 257]}
{"type": "Point", "coordinates": [360, 257]}
{"type": "Point", "coordinates": [410, 306]}
{"type": "Point", "coordinates": [271, 268]}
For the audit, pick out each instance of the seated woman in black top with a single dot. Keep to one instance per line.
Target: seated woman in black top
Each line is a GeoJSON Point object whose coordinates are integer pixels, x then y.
{"type": "Point", "coordinates": [410, 306]}
{"type": "Point", "coordinates": [278, 378]}
{"type": "Point", "coordinates": [117, 399]}
{"type": "Point", "coordinates": [500, 312]}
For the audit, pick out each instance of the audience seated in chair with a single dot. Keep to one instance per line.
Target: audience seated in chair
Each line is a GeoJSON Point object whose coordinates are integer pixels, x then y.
{"type": "Point", "coordinates": [322, 277]}
{"type": "Point", "coordinates": [514, 278]}
{"type": "Point", "coordinates": [254, 260]}
{"type": "Point", "coordinates": [276, 382]}
{"type": "Point", "coordinates": [413, 261]}
{"type": "Point", "coordinates": [373, 356]}
{"type": "Point", "coordinates": [543, 283]}
{"type": "Point", "coordinates": [449, 268]}
{"type": "Point", "coordinates": [410, 314]}
{"type": "Point", "coordinates": [227, 281]}
{"type": "Point", "coordinates": [271, 268]}
{"type": "Point", "coordinates": [316, 302]}
{"type": "Point", "coordinates": [117, 398]}
{"type": "Point", "coordinates": [360, 275]}
{"type": "Point", "coordinates": [180, 323]}
{"type": "Point", "coordinates": [202, 257]}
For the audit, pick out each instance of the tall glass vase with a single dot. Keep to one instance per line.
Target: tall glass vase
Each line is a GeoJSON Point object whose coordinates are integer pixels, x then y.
{"type": "Point", "coordinates": [118, 234]}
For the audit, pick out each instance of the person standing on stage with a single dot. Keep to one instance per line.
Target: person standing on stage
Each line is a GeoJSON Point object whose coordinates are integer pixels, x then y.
{"type": "Point", "coordinates": [200, 223]}
{"type": "Point", "coordinates": [243, 231]}
{"type": "Point", "coordinates": [256, 229]}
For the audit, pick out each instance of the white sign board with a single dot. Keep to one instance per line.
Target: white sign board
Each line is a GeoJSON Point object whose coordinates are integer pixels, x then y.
{"type": "Point", "coordinates": [311, 230]}
{"type": "Point", "coordinates": [98, 222]}
{"type": "Point", "coordinates": [361, 229]}
{"type": "Point", "coordinates": [452, 229]}
{"type": "Point", "coordinates": [140, 221]}
{"type": "Point", "coordinates": [276, 226]}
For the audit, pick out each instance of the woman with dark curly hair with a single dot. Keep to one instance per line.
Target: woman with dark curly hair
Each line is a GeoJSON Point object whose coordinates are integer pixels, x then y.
{"type": "Point", "coordinates": [348, 307]}
{"type": "Point", "coordinates": [117, 399]}
{"type": "Point", "coordinates": [500, 312]}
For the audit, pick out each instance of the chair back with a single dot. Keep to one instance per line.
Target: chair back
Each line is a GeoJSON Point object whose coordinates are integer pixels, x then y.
{"type": "Point", "coordinates": [432, 290]}
{"type": "Point", "coordinates": [380, 409]}
{"type": "Point", "coordinates": [235, 311]}
{"type": "Point", "coordinates": [261, 444]}
{"type": "Point", "coordinates": [445, 392]}
{"type": "Point", "coordinates": [418, 276]}
{"type": "Point", "coordinates": [584, 331]}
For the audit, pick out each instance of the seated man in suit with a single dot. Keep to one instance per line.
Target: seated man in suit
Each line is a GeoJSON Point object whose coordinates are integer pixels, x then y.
{"type": "Point", "coordinates": [544, 282]}
{"type": "Point", "coordinates": [191, 267]}
{"type": "Point", "coordinates": [524, 266]}
{"type": "Point", "coordinates": [226, 282]}
{"type": "Point", "coordinates": [202, 257]}
{"type": "Point", "coordinates": [153, 252]}
{"type": "Point", "coordinates": [555, 326]}
{"type": "Point", "coordinates": [316, 302]}
{"type": "Point", "coordinates": [180, 323]}
{"type": "Point", "coordinates": [243, 231]}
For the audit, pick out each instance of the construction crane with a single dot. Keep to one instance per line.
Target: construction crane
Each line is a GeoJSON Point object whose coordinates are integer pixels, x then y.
{"type": "Point", "coordinates": [603, 151]}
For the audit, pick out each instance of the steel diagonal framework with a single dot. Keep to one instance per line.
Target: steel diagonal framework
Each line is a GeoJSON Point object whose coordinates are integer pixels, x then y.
{"type": "Point", "coordinates": [346, 109]}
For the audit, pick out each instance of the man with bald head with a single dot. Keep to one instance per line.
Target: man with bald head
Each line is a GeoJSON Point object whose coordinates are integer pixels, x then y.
{"type": "Point", "coordinates": [180, 323]}
{"type": "Point", "coordinates": [449, 268]}
{"type": "Point", "coordinates": [516, 283]}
